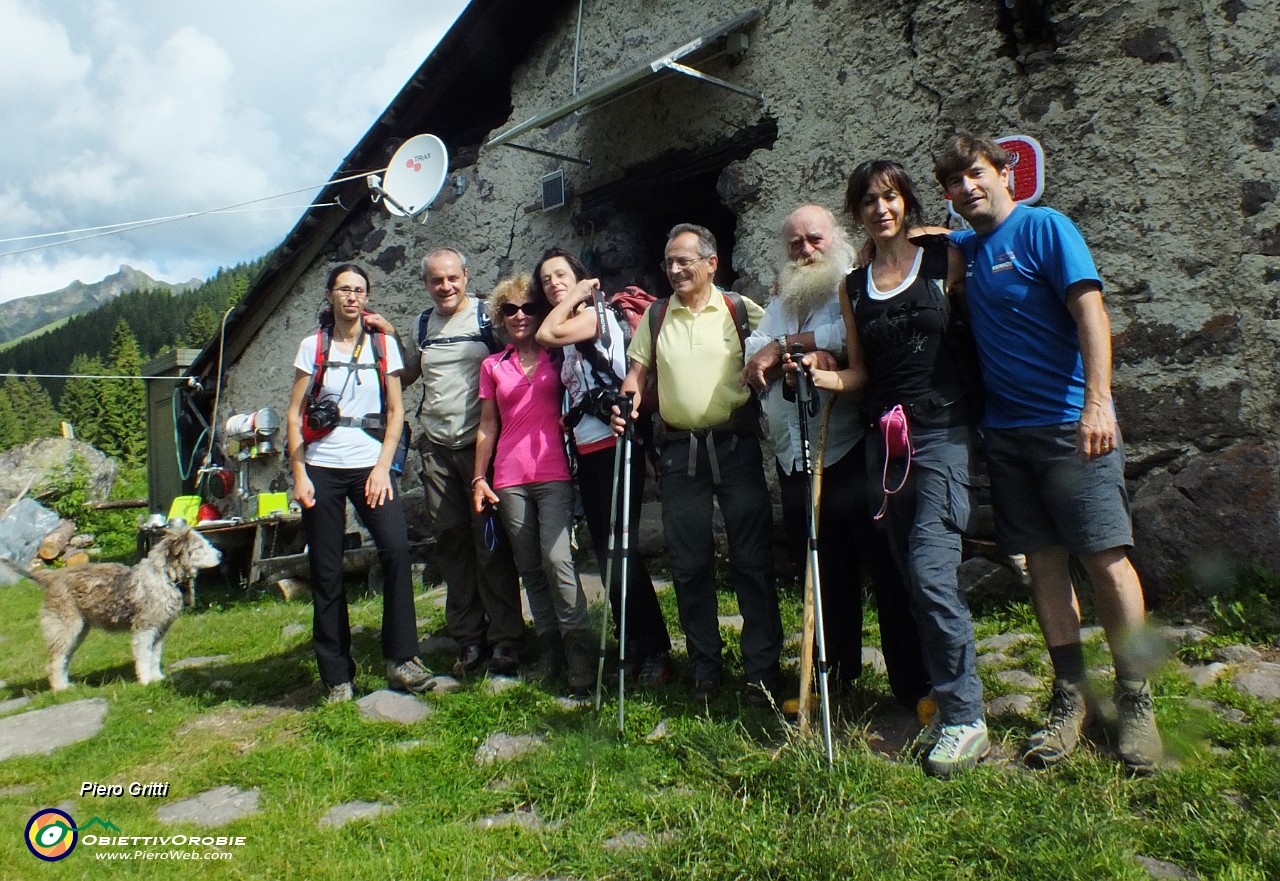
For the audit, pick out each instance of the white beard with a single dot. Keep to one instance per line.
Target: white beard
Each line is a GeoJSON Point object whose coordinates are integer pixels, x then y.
{"type": "Point", "coordinates": [805, 285]}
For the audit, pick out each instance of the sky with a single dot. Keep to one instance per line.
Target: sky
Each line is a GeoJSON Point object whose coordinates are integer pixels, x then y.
{"type": "Point", "coordinates": [119, 111]}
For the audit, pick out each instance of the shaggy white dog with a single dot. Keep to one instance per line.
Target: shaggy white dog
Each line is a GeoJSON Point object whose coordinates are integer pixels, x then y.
{"type": "Point", "coordinates": [145, 599]}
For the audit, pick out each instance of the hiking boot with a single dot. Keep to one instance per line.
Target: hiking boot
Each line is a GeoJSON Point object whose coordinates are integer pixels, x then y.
{"type": "Point", "coordinates": [706, 689]}
{"type": "Point", "coordinates": [340, 693]}
{"type": "Point", "coordinates": [470, 657]}
{"type": "Point", "coordinates": [958, 749]}
{"type": "Point", "coordinates": [926, 740]}
{"type": "Point", "coordinates": [410, 675]}
{"type": "Point", "coordinates": [551, 657]}
{"type": "Point", "coordinates": [656, 670]}
{"type": "Point", "coordinates": [1139, 743]}
{"type": "Point", "coordinates": [1068, 716]}
{"type": "Point", "coordinates": [505, 660]}
{"type": "Point", "coordinates": [580, 663]}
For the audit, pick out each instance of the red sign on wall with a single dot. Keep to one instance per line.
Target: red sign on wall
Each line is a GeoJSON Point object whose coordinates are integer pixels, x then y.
{"type": "Point", "coordinates": [1026, 169]}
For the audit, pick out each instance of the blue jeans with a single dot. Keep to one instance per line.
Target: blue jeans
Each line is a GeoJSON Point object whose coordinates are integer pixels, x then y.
{"type": "Point", "coordinates": [926, 520]}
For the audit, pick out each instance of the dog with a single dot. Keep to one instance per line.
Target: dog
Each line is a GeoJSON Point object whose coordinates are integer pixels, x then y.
{"type": "Point", "coordinates": [145, 599]}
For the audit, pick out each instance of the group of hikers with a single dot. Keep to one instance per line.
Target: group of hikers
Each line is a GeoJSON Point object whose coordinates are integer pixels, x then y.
{"type": "Point", "coordinates": [924, 347]}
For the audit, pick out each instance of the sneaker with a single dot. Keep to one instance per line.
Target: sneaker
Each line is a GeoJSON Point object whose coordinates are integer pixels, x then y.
{"type": "Point", "coordinates": [958, 749]}
{"type": "Point", "coordinates": [1139, 744]}
{"type": "Point", "coordinates": [706, 689]}
{"type": "Point", "coordinates": [411, 676]}
{"type": "Point", "coordinates": [656, 670]}
{"type": "Point", "coordinates": [470, 657]}
{"type": "Point", "coordinates": [505, 660]}
{"type": "Point", "coordinates": [340, 693]}
{"type": "Point", "coordinates": [926, 740]}
{"type": "Point", "coordinates": [1068, 716]}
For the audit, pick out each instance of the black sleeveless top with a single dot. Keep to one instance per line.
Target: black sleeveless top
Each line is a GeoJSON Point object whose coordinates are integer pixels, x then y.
{"type": "Point", "coordinates": [904, 343]}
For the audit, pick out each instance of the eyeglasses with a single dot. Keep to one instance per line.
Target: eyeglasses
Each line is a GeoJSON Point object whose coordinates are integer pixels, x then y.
{"type": "Point", "coordinates": [348, 291]}
{"type": "Point", "coordinates": [679, 264]}
{"type": "Point", "coordinates": [530, 309]}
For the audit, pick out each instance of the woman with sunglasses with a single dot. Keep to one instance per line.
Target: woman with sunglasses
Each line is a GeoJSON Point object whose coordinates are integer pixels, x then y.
{"type": "Point", "coordinates": [591, 371]}
{"type": "Point", "coordinates": [908, 351]}
{"type": "Point", "coordinates": [345, 464]}
{"type": "Point", "coordinates": [520, 432]}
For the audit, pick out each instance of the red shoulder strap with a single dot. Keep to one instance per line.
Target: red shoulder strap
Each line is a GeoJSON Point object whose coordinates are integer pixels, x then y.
{"type": "Point", "coordinates": [323, 338]}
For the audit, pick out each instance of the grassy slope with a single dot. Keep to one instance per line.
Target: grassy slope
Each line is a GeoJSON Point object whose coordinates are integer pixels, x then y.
{"type": "Point", "coordinates": [729, 794]}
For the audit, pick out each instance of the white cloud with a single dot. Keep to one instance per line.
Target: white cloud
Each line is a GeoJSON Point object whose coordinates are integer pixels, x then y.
{"type": "Point", "coordinates": [149, 108]}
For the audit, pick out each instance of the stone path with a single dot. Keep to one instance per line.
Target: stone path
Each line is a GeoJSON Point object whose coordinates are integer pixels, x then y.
{"type": "Point", "coordinates": [40, 732]}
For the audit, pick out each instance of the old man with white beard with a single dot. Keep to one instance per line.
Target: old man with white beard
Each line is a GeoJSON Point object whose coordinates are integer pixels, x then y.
{"type": "Point", "coordinates": [804, 315]}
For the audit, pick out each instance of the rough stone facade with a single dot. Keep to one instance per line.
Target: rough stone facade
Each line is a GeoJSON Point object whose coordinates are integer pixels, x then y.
{"type": "Point", "coordinates": [1159, 122]}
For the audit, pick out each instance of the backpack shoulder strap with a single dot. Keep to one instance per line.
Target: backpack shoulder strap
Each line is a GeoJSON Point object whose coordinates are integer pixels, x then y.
{"type": "Point", "coordinates": [657, 315]}
{"type": "Point", "coordinates": [741, 321]}
{"type": "Point", "coordinates": [323, 338]}
{"type": "Point", "coordinates": [484, 321]}
{"type": "Point", "coordinates": [423, 318]}
{"type": "Point", "coordinates": [379, 342]}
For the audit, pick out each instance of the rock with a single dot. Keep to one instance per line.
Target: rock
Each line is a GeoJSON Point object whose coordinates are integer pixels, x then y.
{"type": "Point", "coordinates": [499, 684]}
{"type": "Point", "coordinates": [524, 819]}
{"type": "Point", "coordinates": [983, 579]}
{"type": "Point", "coordinates": [1205, 675]}
{"type": "Point", "coordinates": [13, 704]}
{"type": "Point", "coordinates": [1018, 679]}
{"type": "Point", "coordinates": [17, 789]}
{"type": "Point", "coordinates": [1011, 705]}
{"type": "Point", "coordinates": [1002, 641]}
{"type": "Point", "coordinates": [295, 628]}
{"type": "Point", "coordinates": [444, 684]}
{"type": "Point", "coordinates": [993, 659]}
{"type": "Point", "coordinates": [1238, 654]}
{"type": "Point", "coordinates": [627, 840]}
{"type": "Point", "coordinates": [438, 644]}
{"type": "Point", "coordinates": [1260, 680]}
{"type": "Point", "coordinates": [40, 732]}
{"type": "Point", "coordinates": [731, 622]}
{"type": "Point", "coordinates": [201, 661]}
{"type": "Point", "coordinates": [1189, 634]}
{"type": "Point", "coordinates": [49, 459]}
{"type": "Point", "coordinates": [393, 706]}
{"type": "Point", "coordinates": [1092, 632]}
{"type": "Point", "coordinates": [502, 747]}
{"type": "Point", "coordinates": [1203, 520]}
{"type": "Point", "coordinates": [217, 807]}
{"type": "Point", "coordinates": [340, 815]}
{"type": "Point", "coordinates": [658, 733]}
{"type": "Point", "coordinates": [874, 658]}
{"type": "Point", "coordinates": [1159, 869]}
{"type": "Point", "coordinates": [573, 703]}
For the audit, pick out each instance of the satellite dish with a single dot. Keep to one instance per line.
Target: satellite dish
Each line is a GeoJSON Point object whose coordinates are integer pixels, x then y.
{"type": "Point", "coordinates": [414, 178]}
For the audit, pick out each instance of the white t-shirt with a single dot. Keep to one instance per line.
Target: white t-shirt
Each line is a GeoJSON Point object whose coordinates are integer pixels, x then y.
{"type": "Point", "coordinates": [359, 394]}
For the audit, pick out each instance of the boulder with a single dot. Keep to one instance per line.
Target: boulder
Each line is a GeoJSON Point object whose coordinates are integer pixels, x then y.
{"type": "Point", "coordinates": [1217, 514]}
{"type": "Point", "coordinates": [47, 459]}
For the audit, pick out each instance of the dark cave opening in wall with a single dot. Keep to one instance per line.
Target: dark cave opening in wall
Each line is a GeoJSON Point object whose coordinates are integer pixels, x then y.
{"type": "Point", "coordinates": [625, 223]}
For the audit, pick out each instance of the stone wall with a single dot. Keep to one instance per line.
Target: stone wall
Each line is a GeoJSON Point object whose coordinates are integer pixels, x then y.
{"type": "Point", "coordinates": [1158, 119]}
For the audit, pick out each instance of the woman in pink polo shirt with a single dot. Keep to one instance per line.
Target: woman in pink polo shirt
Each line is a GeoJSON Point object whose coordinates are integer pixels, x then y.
{"type": "Point", "coordinates": [520, 432]}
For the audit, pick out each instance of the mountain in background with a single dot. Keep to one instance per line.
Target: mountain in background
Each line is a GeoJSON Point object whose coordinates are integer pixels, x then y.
{"type": "Point", "coordinates": [26, 314]}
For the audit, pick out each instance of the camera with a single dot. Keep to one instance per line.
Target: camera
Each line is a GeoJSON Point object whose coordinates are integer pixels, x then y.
{"type": "Point", "coordinates": [322, 415]}
{"type": "Point", "coordinates": [599, 402]}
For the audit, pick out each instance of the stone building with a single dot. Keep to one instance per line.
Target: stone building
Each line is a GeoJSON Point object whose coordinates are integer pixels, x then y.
{"type": "Point", "coordinates": [1158, 120]}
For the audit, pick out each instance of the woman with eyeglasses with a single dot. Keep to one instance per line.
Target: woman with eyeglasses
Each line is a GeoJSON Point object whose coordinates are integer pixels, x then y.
{"type": "Point", "coordinates": [592, 373]}
{"type": "Point", "coordinates": [353, 419]}
{"type": "Point", "coordinates": [520, 432]}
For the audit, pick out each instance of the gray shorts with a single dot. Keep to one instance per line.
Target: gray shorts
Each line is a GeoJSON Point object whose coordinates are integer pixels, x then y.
{"type": "Point", "coordinates": [1043, 495]}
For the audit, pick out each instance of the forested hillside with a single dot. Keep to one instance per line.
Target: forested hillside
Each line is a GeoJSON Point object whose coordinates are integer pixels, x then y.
{"type": "Point", "coordinates": [114, 339]}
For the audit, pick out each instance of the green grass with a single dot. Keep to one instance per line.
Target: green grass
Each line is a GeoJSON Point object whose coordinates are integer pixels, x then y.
{"type": "Point", "coordinates": [728, 793]}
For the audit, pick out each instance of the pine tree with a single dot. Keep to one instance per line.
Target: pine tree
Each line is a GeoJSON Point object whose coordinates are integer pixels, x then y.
{"type": "Point", "coordinates": [82, 400]}
{"type": "Point", "coordinates": [32, 408]}
{"type": "Point", "coordinates": [201, 327]}
{"type": "Point", "coordinates": [10, 429]}
{"type": "Point", "coordinates": [124, 418]}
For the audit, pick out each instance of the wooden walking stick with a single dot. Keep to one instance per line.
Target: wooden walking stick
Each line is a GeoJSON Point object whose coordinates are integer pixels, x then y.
{"type": "Point", "coordinates": [805, 701]}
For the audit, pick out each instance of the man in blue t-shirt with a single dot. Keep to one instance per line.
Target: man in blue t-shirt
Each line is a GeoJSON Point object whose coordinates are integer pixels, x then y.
{"type": "Point", "coordinates": [1054, 450]}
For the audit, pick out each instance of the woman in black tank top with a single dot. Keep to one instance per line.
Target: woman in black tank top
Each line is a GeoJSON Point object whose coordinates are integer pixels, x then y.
{"type": "Point", "coordinates": [902, 355]}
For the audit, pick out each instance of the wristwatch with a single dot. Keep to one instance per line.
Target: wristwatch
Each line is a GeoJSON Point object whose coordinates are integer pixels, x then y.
{"type": "Point", "coordinates": [781, 340]}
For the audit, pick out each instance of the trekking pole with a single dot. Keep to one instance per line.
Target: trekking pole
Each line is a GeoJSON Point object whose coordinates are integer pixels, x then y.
{"type": "Point", "coordinates": [628, 436]}
{"type": "Point", "coordinates": [806, 406]}
{"type": "Point", "coordinates": [608, 566]}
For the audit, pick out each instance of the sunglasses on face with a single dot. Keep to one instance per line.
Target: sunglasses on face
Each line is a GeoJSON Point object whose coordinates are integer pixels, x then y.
{"type": "Point", "coordinates": [530, 309]}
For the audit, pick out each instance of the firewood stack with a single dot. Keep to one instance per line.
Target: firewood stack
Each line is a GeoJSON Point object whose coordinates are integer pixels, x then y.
{"type": "Point", "coordinates": [63, 544]}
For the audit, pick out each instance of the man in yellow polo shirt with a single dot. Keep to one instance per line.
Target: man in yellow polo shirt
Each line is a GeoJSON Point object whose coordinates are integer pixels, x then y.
{"type": "Point", "coordinates": [709, 441]}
